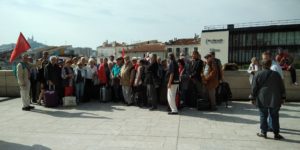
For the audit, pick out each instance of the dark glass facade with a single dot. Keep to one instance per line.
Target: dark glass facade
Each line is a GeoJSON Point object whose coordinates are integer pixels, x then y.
{"type": "Point", "coordinates": [245, 43]}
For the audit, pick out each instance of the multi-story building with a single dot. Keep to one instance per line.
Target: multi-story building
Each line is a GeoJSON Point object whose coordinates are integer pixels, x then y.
{"type": "Point", "coordinates": [108, 49]}
{"type": "Point", "coordinates": [186, 46]}
{"type": "Point", "coordinates": [142, 48]}
{"type": "Point", "coordinates": [238, 43]}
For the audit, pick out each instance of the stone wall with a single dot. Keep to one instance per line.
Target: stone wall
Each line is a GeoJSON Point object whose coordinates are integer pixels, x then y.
{"type": "Point", "coordinates": [238, 80]}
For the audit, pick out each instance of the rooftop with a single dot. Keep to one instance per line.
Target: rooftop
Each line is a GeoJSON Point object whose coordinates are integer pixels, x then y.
{"type": "Point", "coordinates": [148, 48]}
{"type": "Point", "coordinates": [253, 24]}
{"type": "Point", "coordinates": [190, 41]}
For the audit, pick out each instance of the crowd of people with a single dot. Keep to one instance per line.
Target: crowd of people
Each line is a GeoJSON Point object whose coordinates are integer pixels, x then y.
{"type": "Point", "coordinates": [150, 81]}
{"type": "Point", "coordinates": [144, 82]}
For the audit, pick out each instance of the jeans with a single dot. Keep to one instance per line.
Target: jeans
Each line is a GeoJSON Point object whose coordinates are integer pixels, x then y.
{"type": "Point", "coordinates": [273, 113]}
{"type": "Point", "coordinates": [79, 91]}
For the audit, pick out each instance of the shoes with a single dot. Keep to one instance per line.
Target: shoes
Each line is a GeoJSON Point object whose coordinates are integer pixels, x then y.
{"type": "Point", "coordinates": [31, 107]}
{"type": "Point", "coordinates": [26, 109]}
{"type": "Point", "coordinates": [153, 108]}
{"type": "Point", "coordinates": [296, 84]}
{"type": "Point", "coordinates": [172, 113]}
{"type": "Point", "coordinates": [264, 135]}
{"type": "Point", "coordinates": [214, 109]}
{"type": "Point", "coordinates": [129, 104]}
{"type": "Point", "coordinates": [278, 137]}
{"type": "Point", "coordinates": [270, 130]}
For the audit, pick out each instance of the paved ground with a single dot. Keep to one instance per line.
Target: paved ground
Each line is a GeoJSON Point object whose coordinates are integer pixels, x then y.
{"type": "Point", "coordinates": [114, 126]}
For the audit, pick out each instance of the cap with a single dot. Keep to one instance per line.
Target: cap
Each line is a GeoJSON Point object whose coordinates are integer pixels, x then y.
{"type": "Point", "coordinates": [207, 55]}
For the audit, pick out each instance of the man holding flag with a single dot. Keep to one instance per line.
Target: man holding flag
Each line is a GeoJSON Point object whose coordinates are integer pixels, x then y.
{"type": "Point", "coordinates": [23, 74]}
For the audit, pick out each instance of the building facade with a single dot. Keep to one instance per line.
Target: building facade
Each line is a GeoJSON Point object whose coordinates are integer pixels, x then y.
{"type": "Point", "coordinates": [108, 49]}
{"type": "Point", "coordinates": [186, 46]}
{"type": "Point", "coordinates": [239, 43]}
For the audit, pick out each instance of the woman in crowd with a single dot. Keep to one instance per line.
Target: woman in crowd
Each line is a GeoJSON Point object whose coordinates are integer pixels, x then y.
{"type": "Point", "coordinates": [139, 87]}
{"type": "Point", "coordinates": [210, 79]}
{"type": "Point", "coordinates": [184, 81]}
{"type": "Point", "coordinates": [253, 68]}
{"type": "Point", "coordinates": [79, 77]}
{"type": "Point", "coordinates": [67, 75]}
{"type": "Point", "coordinates": [91, 74]}
{"type": "Point", "coordinates": [173, 82]}
{"type": "Point", "coordinates": [115, 73]}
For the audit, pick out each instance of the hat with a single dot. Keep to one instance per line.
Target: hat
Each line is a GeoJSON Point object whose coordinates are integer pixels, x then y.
{"type": "Point", "coordinates": [134, 58]}
{"type": "Point", "coordinates": [119, 58]}
{"type": "Point", "coordinates": [212, 53]}
{"type": "Point", "coordinates": [111, 56]}
{"type": "Point", "coordinates": [207, 55]}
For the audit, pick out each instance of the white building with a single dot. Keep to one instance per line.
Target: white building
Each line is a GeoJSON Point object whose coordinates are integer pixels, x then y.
{"type": "Point", "coordinates": [215, 41]}
{"type": "Point", "coordinates": [186, 46]}
{"type": "Point", "coordinates": [108, 49]}
{"type": "Point", "coordinates": [141, 49]}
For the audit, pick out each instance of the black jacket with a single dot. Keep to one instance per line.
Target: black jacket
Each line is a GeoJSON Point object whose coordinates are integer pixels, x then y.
{"type": "Point", "coordinates": [196, 69]}
{"type": "Point", "coordinates": [53, 73]}
{"type": "Point", "coordinates": [268, 89]}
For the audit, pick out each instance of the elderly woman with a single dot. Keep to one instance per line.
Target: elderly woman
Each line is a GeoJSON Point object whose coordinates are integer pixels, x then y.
{"type": "Point", "coordinates": [67, 75]}
{"type": "Point", "coordinates": [91, 73]}
{"type": "Point", "coordinates": [125, 81]}
{"type": "Point", "coordinates": [253, 68]}
{"type": "Point", "coordinates": [211, 81]}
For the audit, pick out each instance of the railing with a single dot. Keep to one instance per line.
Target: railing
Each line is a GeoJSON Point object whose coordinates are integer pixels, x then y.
{"type": "Point", "coordinates": [254, 24]}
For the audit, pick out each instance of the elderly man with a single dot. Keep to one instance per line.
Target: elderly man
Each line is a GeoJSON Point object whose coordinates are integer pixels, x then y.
{"type": "Point", "coordinates": [23, 77]}
{"type": "Point", "coordinates": [269, 92]}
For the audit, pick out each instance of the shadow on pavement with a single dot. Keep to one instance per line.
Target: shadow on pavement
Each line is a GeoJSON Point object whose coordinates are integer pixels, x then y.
{"type": "Point", "coordinates": [14, 146]}
{"type": "Point", "coordinates": [217, 116]}
{"type": "Point", "coordinates": [96, 106]}
{"type": "Point", "coordinates": [69, 115]}
{"type": "Point", "coordinates": [6, 99]}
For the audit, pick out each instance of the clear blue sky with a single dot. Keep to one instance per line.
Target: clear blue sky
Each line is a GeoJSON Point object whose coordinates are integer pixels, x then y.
{"type": "Point", "coordinates": [88, 23]}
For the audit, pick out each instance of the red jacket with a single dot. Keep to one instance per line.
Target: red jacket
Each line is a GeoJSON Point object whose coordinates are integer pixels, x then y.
{"type": "Point", "coordinates": [102, 75]}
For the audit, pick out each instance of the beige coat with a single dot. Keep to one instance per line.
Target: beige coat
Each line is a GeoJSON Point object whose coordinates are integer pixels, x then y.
{"type": "Point", "coordinates": [22, 74]}
{"type": "Point", "coordinates": [125, 74]}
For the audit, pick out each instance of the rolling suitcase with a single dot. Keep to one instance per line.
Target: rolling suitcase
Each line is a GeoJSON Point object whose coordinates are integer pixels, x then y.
{"type": "Point", "coordinates": [203, 101]}
{"type": "Point", "coordinates": [223, 93]}
{"type": "Point", "coordinates": [51, 98]}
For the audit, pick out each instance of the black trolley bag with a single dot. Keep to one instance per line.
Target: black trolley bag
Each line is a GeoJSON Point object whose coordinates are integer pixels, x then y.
{"type": "Point", "coordinates": [223, 93]}
{"type": "Point", "coordinates": [203, 102]}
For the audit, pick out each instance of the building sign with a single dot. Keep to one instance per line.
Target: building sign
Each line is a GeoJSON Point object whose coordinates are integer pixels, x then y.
{"type": "Point", "coordinates": [214, 41]}
{"type": "Point", "coordinates": [214, 50]}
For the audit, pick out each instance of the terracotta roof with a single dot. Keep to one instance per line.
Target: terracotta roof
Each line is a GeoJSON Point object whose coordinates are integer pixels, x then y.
{"type": "Point", "coordinates": [184, 42]}
{"type": "Point", "coordinates": [148, 48]}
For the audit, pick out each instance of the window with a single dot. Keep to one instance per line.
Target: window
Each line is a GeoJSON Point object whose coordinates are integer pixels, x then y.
{"type": "Point", "coordinates": [267, 39]}
{"type": "Point", "coordinates": [290, 38]}
{"type": "Point", "coordinates": [170, 50]}
{"type": "Point", "coordinates": [248, 39]}
{"type": "Point", "coordinates": [297, 37]}
{"type": "Point", "coordinates": [196, 49]}
{"type": "Point", "coordinates": [282, 38]}
{"type": "Point", "coordinates": [177, 52]}
{"type": "Point", "coordinates": [274, 38]}
{"type": "Point", "coordinates": [186, 51]}
{"type": "Point", "coordinates": [260, 38]}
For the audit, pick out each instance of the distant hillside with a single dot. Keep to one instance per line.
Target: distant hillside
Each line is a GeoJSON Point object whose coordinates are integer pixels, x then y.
{"type": "Point", "coordinates": [33, 44]}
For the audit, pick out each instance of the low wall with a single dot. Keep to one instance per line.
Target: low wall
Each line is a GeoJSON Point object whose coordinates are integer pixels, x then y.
{"type": "Point", "coordinates": [238, 80]}
{"type": "Point", "coordinates": [240, 85]}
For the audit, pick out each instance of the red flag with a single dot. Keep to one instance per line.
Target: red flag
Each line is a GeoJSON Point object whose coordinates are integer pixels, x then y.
{"type": "Point", "coordinates": [21, 46]}
{"type": "Point", "coordinates": [123, 53]}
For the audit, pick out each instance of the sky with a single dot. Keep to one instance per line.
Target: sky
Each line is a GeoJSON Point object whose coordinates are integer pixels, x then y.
{"type": "Point", "coordinates": [88, 23]}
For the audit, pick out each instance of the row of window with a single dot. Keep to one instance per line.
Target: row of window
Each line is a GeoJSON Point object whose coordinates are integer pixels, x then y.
{"type": "Point", "coordinates": [265, 39]}
{"type": "Point", "coordinates": [178, 51]}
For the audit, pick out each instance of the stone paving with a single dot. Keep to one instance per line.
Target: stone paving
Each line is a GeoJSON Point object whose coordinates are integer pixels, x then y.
{"type": "Point", "coordinates": [93, 126]}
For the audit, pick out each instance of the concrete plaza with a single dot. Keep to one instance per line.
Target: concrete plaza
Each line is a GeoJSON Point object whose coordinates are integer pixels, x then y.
{"type": "Point", "coordinates": [93, 126]}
